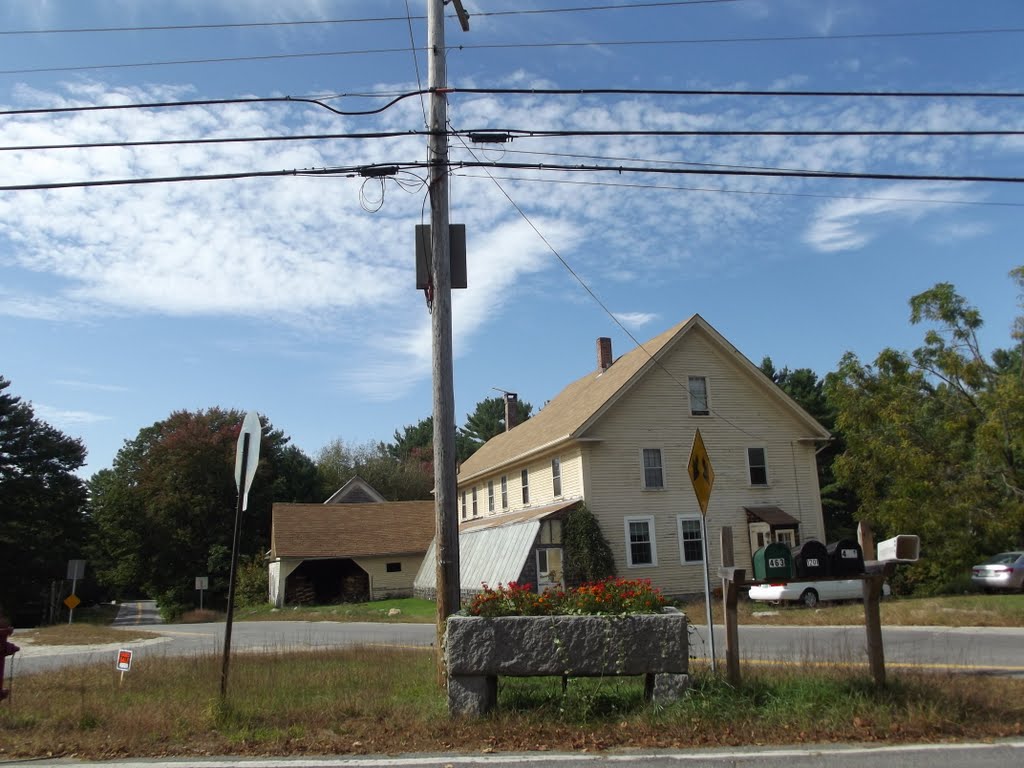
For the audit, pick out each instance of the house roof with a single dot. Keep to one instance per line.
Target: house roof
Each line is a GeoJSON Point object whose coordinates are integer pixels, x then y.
{"type": "Point", "coordinates": [351, 530]}
{"type": "Point", "coordinates": [772, 516]}
{"type": "Point", "coordinates": [577, 406]}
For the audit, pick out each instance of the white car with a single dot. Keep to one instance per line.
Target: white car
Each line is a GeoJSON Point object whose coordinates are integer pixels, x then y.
{"type": "Point", "coordinates": [810, 593]}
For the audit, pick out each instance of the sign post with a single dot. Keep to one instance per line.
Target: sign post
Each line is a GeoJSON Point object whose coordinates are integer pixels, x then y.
{"type": "Point", "coordinates": [703, 478]}
{"type": "Point", "coordinates": [247, 456]}
{"type": "Point", "coordinates": [76, 571]}
{"type": "Point", "coordinates": [202, 583]}
{"type": "Point", "coordinates": [124, 662]}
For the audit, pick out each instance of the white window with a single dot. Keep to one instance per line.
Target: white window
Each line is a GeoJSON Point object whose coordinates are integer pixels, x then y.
{"type": "Point", "coordinates": [641, 549]}
{"type": "Point", "coordinates": [490, 496]}
{"type": "Point", "coordinates": [698, 386]}
{"type": "Point", "coordinates": [691, 540]}
{"type": "Point", "coordinates": [786, 536]}
{"type": "Point", "coordinates": [757, 464]}
{"type": "Point", "coordinates": [474, 501]}
{"type": "Point", "coordinates": [525, 477]}
{"type": "Point", "coordinates": [504, 491]}
{"type": "Point", "coordinates": [463, 505]}
{"type": "Point", "coordinates": [654, 475]}
{"type": "Point", "coordinates": [556, 477]}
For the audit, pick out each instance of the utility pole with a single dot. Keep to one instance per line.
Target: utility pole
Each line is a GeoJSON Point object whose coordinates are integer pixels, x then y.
{"type": "Point", "coordinates": [445, 482]}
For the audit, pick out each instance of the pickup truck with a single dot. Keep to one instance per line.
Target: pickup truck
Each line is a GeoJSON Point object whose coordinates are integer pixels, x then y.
{"type": "Point", "coordinates": [810, 593]}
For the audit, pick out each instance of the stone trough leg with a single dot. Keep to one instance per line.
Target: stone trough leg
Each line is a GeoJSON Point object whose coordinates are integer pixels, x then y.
{"type": "Point", "coordinates": [472, 695]}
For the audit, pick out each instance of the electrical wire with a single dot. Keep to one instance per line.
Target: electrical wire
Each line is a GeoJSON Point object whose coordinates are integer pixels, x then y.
{"type": "Point", "coordinates": [668, 187]}
{"type": "Point", "coordinates": [427, 165]}
{"type": "Point", "coordinates": [416, 64]}
{"type": "Point", "coordinates": [590, 291]}
{"type": "Point", "coordinates": [723, 40]}
{"type": "Point", "coordinates": [512, 46]}
{"type": "Point", "coordinates": [515, 133]}
{"type": "Point", "coordinates": [218, 102]}
{"type": "Point", "coordinates": [524, 133]}
{"type": "Point", "coordinates": [737, 172]}
{"type": "Point", "coordinates": [721, 92]}
{"type": "Point", "coordinates": [324, 22]}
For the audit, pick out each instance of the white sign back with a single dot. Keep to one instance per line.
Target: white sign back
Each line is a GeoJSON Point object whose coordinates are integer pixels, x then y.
{"type": "Point", "coordinates": [250, 426]}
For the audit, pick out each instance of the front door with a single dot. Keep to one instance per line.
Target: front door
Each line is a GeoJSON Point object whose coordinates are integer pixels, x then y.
{"type": "Point", "coordinates": [549, 568]}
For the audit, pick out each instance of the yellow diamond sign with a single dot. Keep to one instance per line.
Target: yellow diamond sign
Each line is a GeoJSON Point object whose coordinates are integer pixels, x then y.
{"type": "Point", "coordinates": [701, 474]}
{"type": "Point", "coordinates": [72, 601]}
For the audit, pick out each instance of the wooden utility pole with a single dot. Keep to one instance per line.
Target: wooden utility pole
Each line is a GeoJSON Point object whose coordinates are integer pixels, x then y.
{"type": "Point", "coordinates": [445, 482]}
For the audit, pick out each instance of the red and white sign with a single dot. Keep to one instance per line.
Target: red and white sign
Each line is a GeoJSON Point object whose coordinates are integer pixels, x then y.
{"type": "Point", "coordinates": [124, 660]}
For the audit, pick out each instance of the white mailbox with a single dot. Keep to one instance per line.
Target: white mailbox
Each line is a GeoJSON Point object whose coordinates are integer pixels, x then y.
{"type": "Point", "coordinates": [905, 548]}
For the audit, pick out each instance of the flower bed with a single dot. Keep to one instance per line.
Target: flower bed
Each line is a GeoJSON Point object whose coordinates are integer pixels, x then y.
{"type": "Point", "coordinates": [607, 628]}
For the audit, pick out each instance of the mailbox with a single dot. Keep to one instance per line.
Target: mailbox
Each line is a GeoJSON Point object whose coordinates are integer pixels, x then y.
{"type": "Point", "coordinates": [773, 561]}
{"type": "Point", "coordinates": [810, 560]}
{"type": "Point", "coordinates": [845, 558]}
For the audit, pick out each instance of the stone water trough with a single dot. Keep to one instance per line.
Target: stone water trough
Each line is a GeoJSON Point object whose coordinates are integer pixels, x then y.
{"type": "Point", "coordinates": [479, 649]}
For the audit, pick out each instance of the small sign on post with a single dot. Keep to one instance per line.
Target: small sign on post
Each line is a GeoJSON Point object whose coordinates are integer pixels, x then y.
{"type": "Point", "coordinates": [202, 584]}
{"type": "Point", "coordinates": [76, 571]}
{"type": "Point", "coordinates": [124, 663]}
{"type": "Point", "coordinates": [703, 478]}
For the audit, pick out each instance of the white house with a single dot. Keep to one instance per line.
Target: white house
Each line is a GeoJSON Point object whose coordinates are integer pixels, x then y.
{"type": "Point", "coordinates": [619, 440]}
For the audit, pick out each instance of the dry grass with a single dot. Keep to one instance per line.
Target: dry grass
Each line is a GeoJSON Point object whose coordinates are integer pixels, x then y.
{"type": "Point", "coordinates": [79, 634]}
{"type": "Point", "coordinates": [385, 701]}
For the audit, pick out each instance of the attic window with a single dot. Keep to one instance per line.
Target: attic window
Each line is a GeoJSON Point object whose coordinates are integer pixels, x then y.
{"type": "Point", "coordinates": [393, 567]}
{"type": "Point", "coordinates": [698, 386]}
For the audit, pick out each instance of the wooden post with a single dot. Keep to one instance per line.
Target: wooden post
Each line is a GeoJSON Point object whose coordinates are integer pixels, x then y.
{"type": "Point", "coordinates": [732, 577]}
{"type": "Point", "coordinates": [866, 539]}
{"type": "Point", "coordinates": [873, 624]}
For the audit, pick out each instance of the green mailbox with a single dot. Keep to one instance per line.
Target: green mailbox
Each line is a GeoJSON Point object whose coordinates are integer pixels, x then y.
{"type": "Point", "coordinates": [773, 561]}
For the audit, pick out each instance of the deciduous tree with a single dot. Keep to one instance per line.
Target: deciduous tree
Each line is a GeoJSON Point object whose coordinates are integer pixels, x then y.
{"type": "Point", "coordinates": [165, 511]}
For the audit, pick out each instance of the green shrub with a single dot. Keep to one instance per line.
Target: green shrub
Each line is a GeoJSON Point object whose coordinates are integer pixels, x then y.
{"type": "Point", "coordinates": [252, 582]}
{"type": "Point", "coordinates": [587, 555]}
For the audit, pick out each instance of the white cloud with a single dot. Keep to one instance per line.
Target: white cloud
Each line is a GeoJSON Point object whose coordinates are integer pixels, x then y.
{"type": "Point", "coordinates": [847, 225]}
{"type": "Point", "coordinates": [66, 419]}
{"type": "Point", "coordinates": [300, 251]}
{"type": "Point", "coordinates": [635, 319]}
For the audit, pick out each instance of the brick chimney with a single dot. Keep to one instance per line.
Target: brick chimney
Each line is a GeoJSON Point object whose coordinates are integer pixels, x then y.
{"type": "Point", "coordinates": [604, 353]}
{"type": "Point", "coordinates": [511, 410]}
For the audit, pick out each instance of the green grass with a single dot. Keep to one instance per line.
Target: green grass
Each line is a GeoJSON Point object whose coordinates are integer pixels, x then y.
{"type": "Point", "coordinates": [387, 701]}
{"type": "Point", "coordinates": [412, 610]}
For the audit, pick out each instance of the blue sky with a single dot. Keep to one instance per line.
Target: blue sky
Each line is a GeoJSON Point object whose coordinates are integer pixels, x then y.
{"type": "Point", "coordinates": [293, 296]}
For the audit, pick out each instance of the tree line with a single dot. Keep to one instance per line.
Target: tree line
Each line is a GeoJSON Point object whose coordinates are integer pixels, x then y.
{"type": "Point", "coordinates": [929, 441]}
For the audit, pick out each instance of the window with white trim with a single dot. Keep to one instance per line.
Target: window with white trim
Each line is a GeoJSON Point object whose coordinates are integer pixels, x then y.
{"type": "Point", "coordinates": [490, 496]}
{"type": "Point", "coordinates": [525, 478]}
{"type": "Point", "coordinates": [698, 387]}
{"type": "Point", "coordinates": [474, 501]}
{"type": "Point", "coordinates": [654, 475]}
{"type": "Point", "coordinates": [691, 540]}
{"type": "Point", "coordinates": [757, 466]}
{"type": "Point", "coordinates": [504, 491]}
{"type": "Point", "coordinates": [641, 549]}
{"type": "Point", "coordinates": [463, 505]}
{"type": "Point", "coordinates": [556, 477]}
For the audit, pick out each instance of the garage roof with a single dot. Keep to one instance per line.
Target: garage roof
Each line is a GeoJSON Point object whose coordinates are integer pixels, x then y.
{"type": "Point", "coordinates": [351, 530]}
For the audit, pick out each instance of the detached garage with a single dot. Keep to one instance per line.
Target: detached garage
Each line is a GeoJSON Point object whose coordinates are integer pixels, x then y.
{"type": "Point", "coordinates": [334, 553]}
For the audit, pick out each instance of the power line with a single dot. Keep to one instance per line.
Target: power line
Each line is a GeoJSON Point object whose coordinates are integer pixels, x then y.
{"type": "Point", "coordinates": [498, 135]}
{"type": "Point", "coordinates": [721, 92]}
{"type": "Point", "coordinates": [217, 102]}
{"type": "Point", "coordinates": [736, 172]}
{"type": "Point", "coordinates": [399, 96]}
{"type": "Point", "coordinates": [502, 46]}
{"type": "Point", "coordinates": [762, 39]}
{"type": "Point", "coordinates": [772, 193]}
{"type": "Point", "coordinates": [389, 169]}
{"type": "Point", "coordinates": [326, 22]}
{"type": "Point", "coordinates": [476, 135]}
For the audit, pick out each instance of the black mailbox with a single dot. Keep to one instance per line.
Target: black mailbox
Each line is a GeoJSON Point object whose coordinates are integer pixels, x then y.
{"type": "Point", "coordinates": [845, 558]}
{"type": "Point", "coordinates": [810, 560]}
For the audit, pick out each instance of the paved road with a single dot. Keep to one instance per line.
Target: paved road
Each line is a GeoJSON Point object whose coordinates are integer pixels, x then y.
{"type": "Point", "coordinates": [995, 650]}
{"type": "Point", "coordinates": [1000, 755]}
